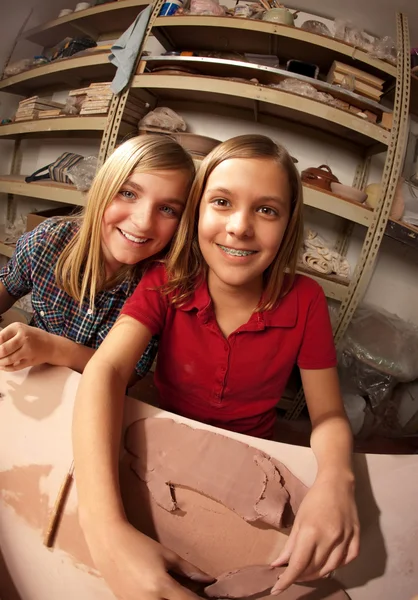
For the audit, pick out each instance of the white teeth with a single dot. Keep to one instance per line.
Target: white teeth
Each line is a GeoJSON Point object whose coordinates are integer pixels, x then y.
{"type": "Point", "coordinates": [132, 238]}
{"type": "Point", "coordinates": [234, 252]}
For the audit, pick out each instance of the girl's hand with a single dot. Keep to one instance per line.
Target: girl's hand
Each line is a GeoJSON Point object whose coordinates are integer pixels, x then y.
{"type": "Point", "coordinates": [24, 346]}
{"type": "Point", "coordinates": [135, 566]}
{"type": "Point", "coordinates": [325, 534]}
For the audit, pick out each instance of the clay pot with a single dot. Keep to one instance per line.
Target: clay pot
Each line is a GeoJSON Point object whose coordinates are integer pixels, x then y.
{"type": "Point", "coordinates": [320, 177]}
{"type": "Point", "coordinates": [283, 16]}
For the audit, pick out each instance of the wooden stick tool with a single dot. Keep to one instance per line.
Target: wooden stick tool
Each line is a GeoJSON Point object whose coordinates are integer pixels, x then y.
{"type": "Point", "coordinates": [57, 511]}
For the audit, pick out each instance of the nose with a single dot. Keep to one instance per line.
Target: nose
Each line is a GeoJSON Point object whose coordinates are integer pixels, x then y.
{"type": "Point", "coordinates": [142, 216]}
{"type": "Point", "coordinates": [240, 224]}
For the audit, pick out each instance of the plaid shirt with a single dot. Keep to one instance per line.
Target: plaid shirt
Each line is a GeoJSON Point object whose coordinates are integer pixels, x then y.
{"type": "Point", "coordinates": [31, 270]}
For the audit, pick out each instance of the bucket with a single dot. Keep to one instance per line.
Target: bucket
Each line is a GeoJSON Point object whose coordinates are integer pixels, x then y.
{"type": "Point", "coordinates": [169, 8]}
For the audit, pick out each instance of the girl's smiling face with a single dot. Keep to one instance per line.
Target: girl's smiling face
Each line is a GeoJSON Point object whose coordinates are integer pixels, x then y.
{"type": "Point", "coordinates": [243, 217]}
{"type": "Point", "coordinates": [143, 217]}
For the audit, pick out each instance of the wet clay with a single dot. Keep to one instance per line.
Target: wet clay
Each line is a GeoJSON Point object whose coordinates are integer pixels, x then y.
{"type": "Point", "coordinates": [249, 582]}
{"type": "Point", "coordinates": [244, 479]}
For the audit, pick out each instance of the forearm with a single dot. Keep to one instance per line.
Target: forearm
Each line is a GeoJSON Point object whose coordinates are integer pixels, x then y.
{"type": "Point", "coordinates": [66, 353]}
{"type": "Point", "coordinates": [97, 425]}
{"type": "Point", "coordinates": [332, 444]}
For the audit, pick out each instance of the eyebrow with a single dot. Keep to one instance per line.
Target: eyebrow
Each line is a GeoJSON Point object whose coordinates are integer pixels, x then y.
{"type": "Point", "coordinates": [222, 190]}
{"type": "Point", "coordinates": [139, 188]}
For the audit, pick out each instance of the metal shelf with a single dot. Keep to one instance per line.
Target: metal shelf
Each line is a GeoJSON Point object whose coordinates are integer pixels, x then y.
{"type": "Point", "coordinates": [229, 34]}
{"type": "Point", "coordinates": [59, 125]}
{"type": "Point", "coordinates": [106, 18]}
{"type": "Point", "coordinates": [402, 232]}
{"type": "Point", "coordinates": [47, 190]}
{"type": "Point", "coordinates": [218, 67]}
{"type": "Point", "coordinates": [334, 287]}
{"type": "Point", "coordinates": [331, 203]}
{"type": "Point", "coordinates": [266, 101]}
{"type": "Point", "coordinates": [65, 73]}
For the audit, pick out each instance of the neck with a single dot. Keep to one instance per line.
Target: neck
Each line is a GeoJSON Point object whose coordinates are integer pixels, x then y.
{"type": "Point", "coordinates": [224, 295]}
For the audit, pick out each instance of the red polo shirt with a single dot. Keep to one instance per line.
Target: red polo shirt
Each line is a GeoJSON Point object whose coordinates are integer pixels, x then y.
{"type": "Point", "coordinates": [235, 382]}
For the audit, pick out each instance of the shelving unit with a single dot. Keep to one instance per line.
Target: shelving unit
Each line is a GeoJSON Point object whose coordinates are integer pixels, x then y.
{"type": "Point", "coordinates": [211, 90]}
{"type": "Point", "coordinates": [95, 22]}
{"type": "Point", "coordinates": [92, 125]}
{"type": "Point", "coordinates": [47, 190]}
{"type": "Point", "coordinates": [402, 232]}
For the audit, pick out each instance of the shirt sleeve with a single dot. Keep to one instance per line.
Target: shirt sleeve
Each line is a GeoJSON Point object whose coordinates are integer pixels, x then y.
{"type": "Point", "coordinates": [16, 276]}
{"type": "Point", "coordinates": [145, 362]}
{"type": "Point", "coordinates": [317, 350]}
{"type": "Point", "coordinates": [148, 304]}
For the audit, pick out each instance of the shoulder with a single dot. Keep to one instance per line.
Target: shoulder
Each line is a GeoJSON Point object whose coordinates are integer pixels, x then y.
{"type": "Point", "coordinates": [154, 276]}
{"type": "Point", "coordinates": [306, 287]}
{"type": "Point", "coordinates": [54, 231]}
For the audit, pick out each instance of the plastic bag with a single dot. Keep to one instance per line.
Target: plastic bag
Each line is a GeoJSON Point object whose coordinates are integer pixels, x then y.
{"type": "Point", "coordinates": [346, 31]}
{"type": "Point", "coordinates": [384, 342]}
{"type": "Point", "coordinates": [163, 118]}
{"type": "Point", "coordinates": [303, 88]}
{"type": "Point", "coordinates": [385, 49]}
{"type": "Point", "coordinates": [206, 7]}
{"type": "Point", "coordinates": [83, 173]}
{"type": "Point", "coordinates": [18, 67]}
{"type": "Point", "coordinates": [355, 405]}
{"type": "Point", "coordinates": [73, 105]}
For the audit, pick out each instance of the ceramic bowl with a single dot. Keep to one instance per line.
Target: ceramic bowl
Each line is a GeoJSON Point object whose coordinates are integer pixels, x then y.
{"type": "Point", "coordinates": [348, 193]}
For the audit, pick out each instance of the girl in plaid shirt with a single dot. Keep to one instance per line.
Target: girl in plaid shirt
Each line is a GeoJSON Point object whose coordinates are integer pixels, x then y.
{"type": "Point", "coordinates": [80, 270]}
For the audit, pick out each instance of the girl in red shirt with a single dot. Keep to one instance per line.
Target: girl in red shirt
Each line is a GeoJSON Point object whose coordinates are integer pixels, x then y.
{"type": "Point", "coordinates": [233, 320]}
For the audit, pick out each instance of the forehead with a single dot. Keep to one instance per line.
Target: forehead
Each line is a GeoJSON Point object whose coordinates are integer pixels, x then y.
{"type": "Point", "coordinates": [250, 179]}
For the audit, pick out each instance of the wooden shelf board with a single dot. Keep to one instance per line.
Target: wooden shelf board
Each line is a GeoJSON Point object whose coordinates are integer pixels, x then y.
{"type": "Point", "coordinates": [402, 232]}
{"type": "Point", "coordinates": [267, 100]}
{"type": "Point", "coordinates": [231, 34]}
{"type": "Point", "coordinates": [66, 73]}
{"type": "Point", "coordinates": [47, 190]}
{"type": "Point", "coordinates": [60, 125]}
{"type": "Point", "coordinates": [331, 203]}
{"type": "Point", "coordinates": [334, 287]}
{"type": "Point", "coordinates": [105, 18]}
{"type": "Point", "coordinates": [218, 67]}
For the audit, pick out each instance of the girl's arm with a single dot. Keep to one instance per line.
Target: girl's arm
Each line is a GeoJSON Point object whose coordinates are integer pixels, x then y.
{"type": "Point", "coordinates": [326, 531]}
{"type": "Point", "coordinates": [133, 565]}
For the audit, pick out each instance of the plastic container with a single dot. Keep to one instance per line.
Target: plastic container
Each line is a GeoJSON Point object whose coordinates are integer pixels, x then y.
{"type": "Point", "coordinates": [170, 8]}
{"type": "Point", "coordinates": [355, 406]}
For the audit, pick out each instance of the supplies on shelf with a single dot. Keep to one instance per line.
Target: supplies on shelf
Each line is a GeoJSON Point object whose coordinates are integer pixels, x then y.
{"type": "Point", "coordinates": [31, 108]}
{"type": "Point", "coordinates": [355, 80]}
{"type": "Point", "coordinates": [98, 97]}
{"type": "Point", "coordinates": [317, 256]}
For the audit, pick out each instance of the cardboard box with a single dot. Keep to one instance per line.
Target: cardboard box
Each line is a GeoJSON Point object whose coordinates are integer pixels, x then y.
{"type": "Point", "coordinates": [33, 219]}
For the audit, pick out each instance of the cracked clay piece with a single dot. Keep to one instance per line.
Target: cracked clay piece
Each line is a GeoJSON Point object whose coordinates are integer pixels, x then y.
{"type": "Point", "coordinates": [242, 478]}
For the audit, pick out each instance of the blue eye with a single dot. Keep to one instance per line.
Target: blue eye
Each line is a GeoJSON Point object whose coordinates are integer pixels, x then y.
{"type": "Point", "coordinates": [269, 212]}
{"type": "Point", "coordinates": [127, 194]}
{"type": "Point", "coordinates": [167, 210]}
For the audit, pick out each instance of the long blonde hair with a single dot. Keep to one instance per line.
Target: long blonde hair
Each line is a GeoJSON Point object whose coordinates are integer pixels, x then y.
{"type": "Point", "coordinates": [185, 263]}
{"type": "Point", "coordinates": [80, 270]}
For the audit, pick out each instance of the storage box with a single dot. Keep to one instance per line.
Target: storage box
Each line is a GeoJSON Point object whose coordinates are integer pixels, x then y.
{"type": "Point", "coordinates": [33, 219]}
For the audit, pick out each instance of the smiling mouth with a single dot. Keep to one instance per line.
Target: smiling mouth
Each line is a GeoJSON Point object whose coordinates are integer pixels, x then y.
{"type": "Point", "coordinates": [133, 238]}
{"type": "Point", "coordinates": [235, 252]}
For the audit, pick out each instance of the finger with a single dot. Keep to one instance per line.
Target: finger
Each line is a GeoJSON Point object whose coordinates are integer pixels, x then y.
{"type": "Point", "coordinates": [17, 366]}
{"type": "Point", "coordinates": [298, 563]}
{"type": "Point", "coordinates": [353, 548]}
{"type": "Point", "coordinates": [287, 551]}
{"type": "Point", "coordinates": [183, 567]}
{"type": "Point", "coordinates": [9, 347]}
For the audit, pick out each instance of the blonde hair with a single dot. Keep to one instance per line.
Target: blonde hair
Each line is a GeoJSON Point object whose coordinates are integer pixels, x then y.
{"type": "Point", "coordinates": [185, 263]}
{"type": "Point", "coordinates": [80, 270]}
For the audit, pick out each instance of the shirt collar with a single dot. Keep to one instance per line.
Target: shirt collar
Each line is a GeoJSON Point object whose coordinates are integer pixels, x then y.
{"type": "Point", "coordinates": [283, 314]}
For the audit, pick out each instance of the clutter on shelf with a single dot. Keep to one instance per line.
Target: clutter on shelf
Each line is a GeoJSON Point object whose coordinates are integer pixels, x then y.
{"type": "Point", "coordinates": [37, 107]}
{"type": "Point", "coordinates": [317, 256]}
{"type": "Point", "coordinates": [355, 80]}
{"type": "Point", "coordinates": [398, 205]}
{"type": "Point", "coordinates": [320, 177]}
{"type": "Point", "coordinates": [166, 121]}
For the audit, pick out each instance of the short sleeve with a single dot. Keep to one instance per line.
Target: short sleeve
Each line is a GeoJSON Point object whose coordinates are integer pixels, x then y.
{"type": "Point", "coordinates": [16, 276]}
{"type": "Point", "coordinates": [148, 304]}
{"type": "Point", "coordinates": [317, 350]}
